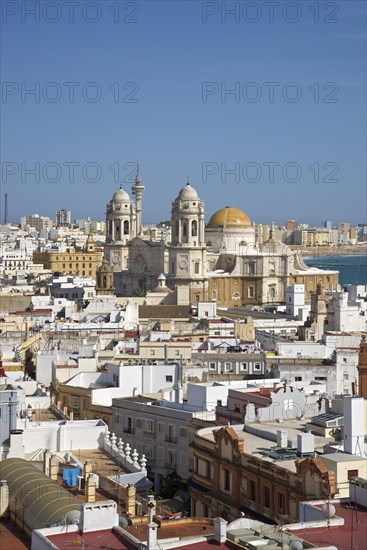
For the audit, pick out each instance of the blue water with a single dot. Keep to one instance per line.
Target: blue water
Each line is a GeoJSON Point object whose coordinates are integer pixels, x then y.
{"type": "Point", "coordinates": [353, 269]}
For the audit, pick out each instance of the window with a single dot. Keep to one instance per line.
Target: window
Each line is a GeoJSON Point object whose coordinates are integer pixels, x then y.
{"type": "Point", "coordinates": [288, 404]}
{"type": "Point", "coordinates": [126, 227]}
{"type": "Point", "coordinates": [243, 366]}
{"type": "Point", "coordinates": [344, 359]}
{"type": "Point", "coordinates": [251, 268]}
{"type": "Point", "coordinates": [352, 473]}
{"type": "Point", "coordinates": [266, 497]}
{"type": "Point", "coordinates": [212, 366]}
{"type": "Point", "coordinates": [177, 352]}
{"type": "Point", "coordinates": [184, 229]}
{"type": "Point", "coordinates": [251, 292]}
{"type": "Point", "coordinates": [208, 470]}
{"type": "Point", "coordinates": [257, 366]}
{"type": "Point", "coordinates": [252, 490]}
{"type": "Point", "coordinates": [152, 352]}
{"type": "Point", "coordinates": [227, 479]}
{"type": "Point", "coordinates": [197, 268]}
{"type": "Point", "coordinates": [228, 367]}
{"type": "Point", "coordinates": [194, 228]}
{"type": "Point", "coordinates": [298, 378]}
{"type": "Point", "coordinates": [183, 432]}
{"type": "Point", "coordinates": [138, 423]}
{"type": "Point", "coordinates": [160, 427]}
{"type": "Point", "coordinates": [169, 378]}
{"type": "Point", "coordinates": [281, 503]}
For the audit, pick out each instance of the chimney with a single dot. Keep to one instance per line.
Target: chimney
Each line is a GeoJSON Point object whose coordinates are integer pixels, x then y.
{"type": "Point", "coordinates": [46, 462]}
{"type": "Point", "coordinates": [152, 536]}
{"type": "Point", "coordinates": [220, 530]}
{"type": "Point", "coordinates": [4, 497]}
{"type": "Point", "coordinates": [354, 424]}
{"type": "Point", "coordinates": [362, 370]}
{"type": "Point", "coordinates": [53, 467]}
{"type": "Point", "coordinates": [130, 499]}
{"type": "Point", "coordinates": [305, 444]}
{"type": "Point", "coordinates": [282, 438]}
{"type": "Point", "coordinates": [87, 470]}
{"type": "Point", "coordinates": [90, 488]}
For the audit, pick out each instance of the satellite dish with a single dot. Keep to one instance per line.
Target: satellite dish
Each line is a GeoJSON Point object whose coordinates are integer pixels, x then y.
{"type": "Point", "coordinates": [123, 522]}
{"type": "Point", "coordinates": [328, 510]}
{"type": "Point", "coordinates": [72, 517]}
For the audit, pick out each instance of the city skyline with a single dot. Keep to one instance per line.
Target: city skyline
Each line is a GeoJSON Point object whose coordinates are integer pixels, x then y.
{"type": "Point", "coordinates": [262, 110]}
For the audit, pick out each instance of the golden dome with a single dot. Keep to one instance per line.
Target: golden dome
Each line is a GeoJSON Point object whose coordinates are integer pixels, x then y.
{"type": "Point", "coordinates": [229, 217]}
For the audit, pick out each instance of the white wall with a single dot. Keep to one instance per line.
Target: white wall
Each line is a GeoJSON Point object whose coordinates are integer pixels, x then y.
{"type": "Point", "coordinates": [204, 397]}
{"type": "Point", "coordinates": [63, 436]}
{"type": "Point", "coordinates": [311, 350]}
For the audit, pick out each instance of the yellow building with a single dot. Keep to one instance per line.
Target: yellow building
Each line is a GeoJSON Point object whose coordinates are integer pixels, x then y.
{"type": "Point", "coordinates": [77, 400]}
{"type": "Point", "coordinates": [83, 262]}
{"type": "Point", "coordinates": [234, 473]}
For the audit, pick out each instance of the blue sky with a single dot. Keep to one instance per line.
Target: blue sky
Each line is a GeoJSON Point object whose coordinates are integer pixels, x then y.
{"type": "Point", "coordinates": [158, 56]}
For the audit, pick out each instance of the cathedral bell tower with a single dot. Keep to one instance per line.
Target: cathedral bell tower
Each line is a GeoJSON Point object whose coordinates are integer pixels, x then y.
{"type": "Point", "coordinates": [137, 191]}
{"type": "Point", "coordinates": [120, 229]}
{"type": "Point", "coordinates": [187, 253]}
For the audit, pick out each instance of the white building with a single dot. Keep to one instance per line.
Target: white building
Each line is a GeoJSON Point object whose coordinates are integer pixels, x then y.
{"type": "Point", "coordinates": [295, 302]}
{"type": "Point", "coordinates": [128, 380]}
{"type": "Point", "coordinates": [73, 288]}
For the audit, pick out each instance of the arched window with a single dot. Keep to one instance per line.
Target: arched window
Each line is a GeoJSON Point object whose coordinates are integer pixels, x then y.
{"type": "Point", "coordinates": [194, 228]}
{"type": "Point", "coordinates": [118, 229]}
{"type": "Point", "coordinates": [184, 229]}
{"type": "Point", "coordinates": [126, 227]}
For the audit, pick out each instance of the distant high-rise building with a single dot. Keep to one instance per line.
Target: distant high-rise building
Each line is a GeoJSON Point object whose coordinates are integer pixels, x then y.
{"type": "Point", "coordinates": [291, 225]}
{"type": "Point", "coordinates": [63, 218]}
{"type": "Point", "coordinates": [36, 221]}
{"type": "Point", "coordinates": [328, 224]}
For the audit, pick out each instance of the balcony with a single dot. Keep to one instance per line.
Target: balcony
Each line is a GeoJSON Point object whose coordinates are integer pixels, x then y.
{"type": "Point", "coordinates": [170, 439]}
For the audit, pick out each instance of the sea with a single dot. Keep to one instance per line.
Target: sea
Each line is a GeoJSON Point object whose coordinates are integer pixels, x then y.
{"type": "Point", "coordinates": [352, 269]}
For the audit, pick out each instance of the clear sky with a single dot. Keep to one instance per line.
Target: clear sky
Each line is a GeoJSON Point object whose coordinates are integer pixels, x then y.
{"type": "Point", "coordinates": [119, 81]}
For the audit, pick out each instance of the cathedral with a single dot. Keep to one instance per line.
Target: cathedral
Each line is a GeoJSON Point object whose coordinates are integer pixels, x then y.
{"type": "Point", "coordinates": [221, 260]}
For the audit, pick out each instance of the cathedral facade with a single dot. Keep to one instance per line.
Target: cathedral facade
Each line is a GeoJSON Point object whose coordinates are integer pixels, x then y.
{"type": "Point", "coordinates": [221, 260]}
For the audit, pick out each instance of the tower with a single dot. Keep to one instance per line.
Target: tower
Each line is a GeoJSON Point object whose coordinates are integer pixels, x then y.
{"type": "Point", "coordinates": [5, 208]}
{"type": "Point", "coordinates": [104, 284]}
{"type": "Point", "coordinates": [137, 190]}
{"type": "Point", "coordinates": [120, 229]}
{"type": "Point", "coordinates": [362, 369]}
{"type": "Point", "coordinates": [187, 253]}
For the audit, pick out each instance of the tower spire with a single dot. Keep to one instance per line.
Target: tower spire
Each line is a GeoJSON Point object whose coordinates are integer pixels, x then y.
{"type": "Point", "coordinates": [137, 190]}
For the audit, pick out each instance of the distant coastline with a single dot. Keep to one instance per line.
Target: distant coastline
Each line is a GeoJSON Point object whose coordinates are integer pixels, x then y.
{"type": "Point", "coordinates": [352, 250]}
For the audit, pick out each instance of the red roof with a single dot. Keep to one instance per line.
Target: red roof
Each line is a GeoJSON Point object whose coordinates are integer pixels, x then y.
{"type": "Point", "coordinates": [95, 540]}
{"type": "Point", "coordinates": [350, 535]}
{"type": "Point", "coordinates": [210, 544]}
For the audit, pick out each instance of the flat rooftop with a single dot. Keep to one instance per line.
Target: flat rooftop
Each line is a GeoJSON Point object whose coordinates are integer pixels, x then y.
{"type": "Point", "coordinates": [261, 440]}
{"type": "Point", "coordinates": [346, 537]}
{"type": "Point", "coordinates": [96, 540]}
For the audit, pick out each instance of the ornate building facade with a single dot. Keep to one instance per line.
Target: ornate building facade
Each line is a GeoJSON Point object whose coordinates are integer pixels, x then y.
{"type": "Point", "coordinates": [222, 260]}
